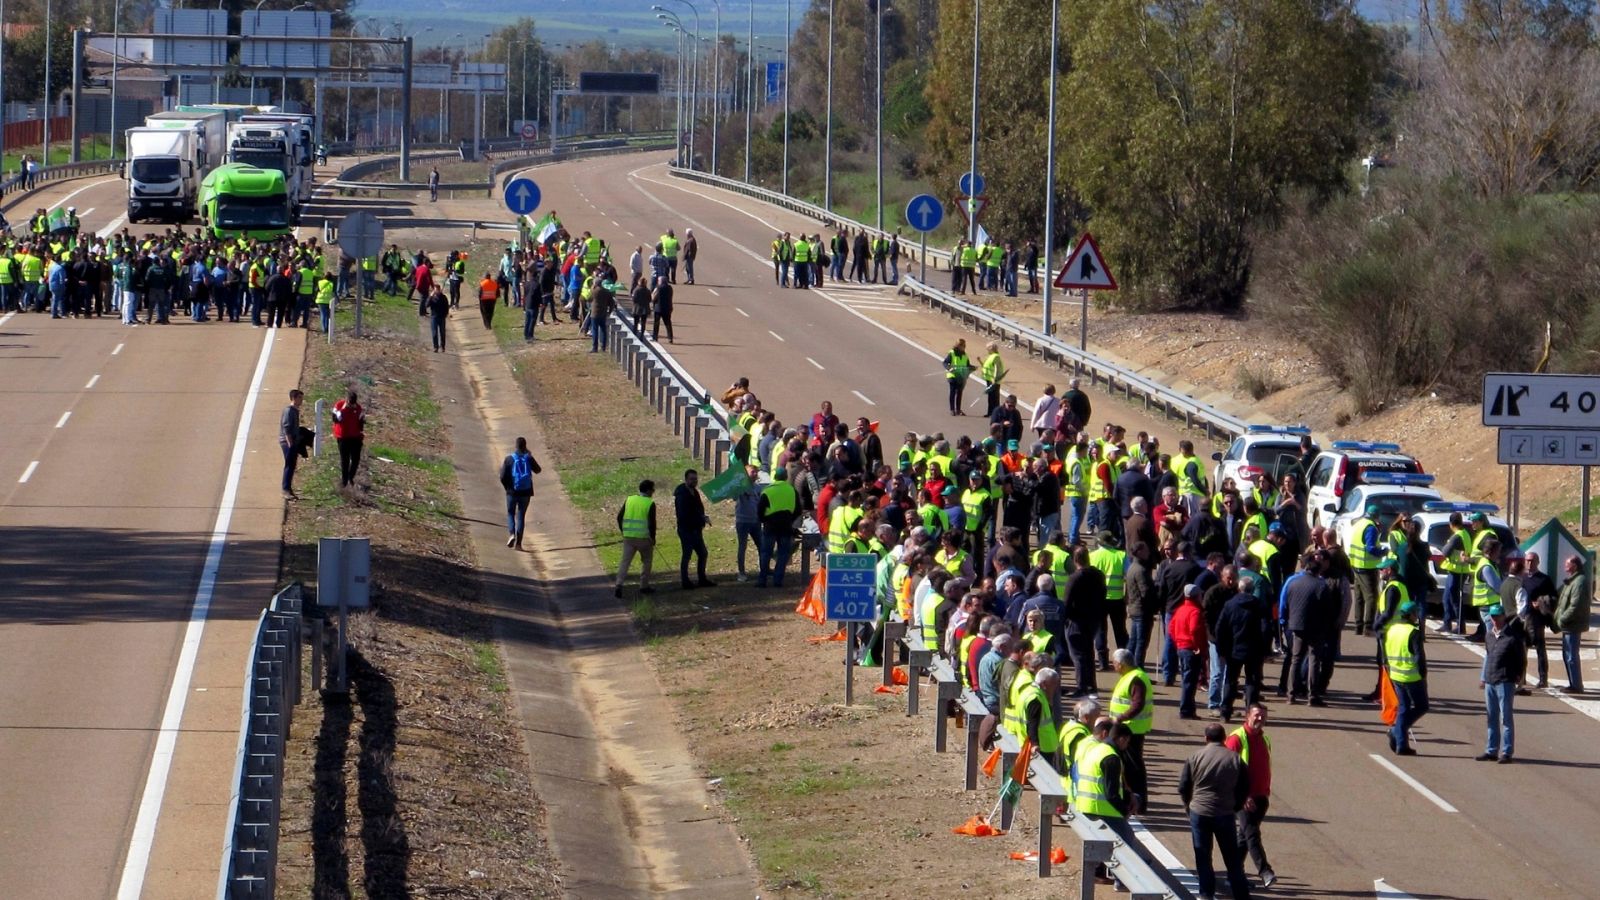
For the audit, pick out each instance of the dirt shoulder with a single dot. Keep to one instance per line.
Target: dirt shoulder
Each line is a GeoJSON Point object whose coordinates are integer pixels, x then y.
{"type": "Point", "coordinates": [1225, 357]}
{"type": "Point", "coordinates": [416, 783]}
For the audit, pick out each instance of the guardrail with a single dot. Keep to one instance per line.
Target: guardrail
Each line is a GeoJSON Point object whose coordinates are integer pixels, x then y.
{"type": "Point", "coordinates": [17, 183]}
{"type": "Point", "coordinates": [1116, 379]}
{"type": "Point", "coordinates": [272, 690]}
{"type": "Point", "coordinates": [694, 414]}
{"type": "Point", "coordinates": [908, 249]}
{"type": "Point", "coordinates": [538, 157]}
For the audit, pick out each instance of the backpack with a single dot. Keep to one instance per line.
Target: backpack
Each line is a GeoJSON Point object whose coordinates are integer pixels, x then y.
{"type": "Point", "coordinates": [521, 472]}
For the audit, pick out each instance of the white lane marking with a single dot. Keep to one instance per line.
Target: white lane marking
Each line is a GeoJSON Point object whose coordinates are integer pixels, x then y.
{"type": "Point", "coordinates": [155, 785]}
{"type": "Point", "coordinates": [1416, 785]}
{"type": "Point", "coordinates": [714, 292]}
{"type": "Point", "coordinates": [776, 335]}
{"type": "Point", "coordinates": [28, 472]}
{"type": "Point", "coordinates": [91, 384]}
{"type": "Point", "coordinates": [1590, 708]}
{"type": "Point", "coordinates": [864, 398]}
{"type": "Point", "coordinates": [741, 312]}
{"type": "Point", "coordinates": [813, 362]}
{"type": "Point", "coordinates": [85, 213]}
{"type": "Point", "coordinates": [1167, 858]}
{"type": "Point", "coordinates": [6, 318]}
{"type": "Point", "coordinates": [615, 223]}
{"type": "Point", "coordinates": [117, 349]}
{"type": "Point", "coordinates": [1383, 891]}
{"type": "Point", "coordinates": [93, 184]}
{"type": "Point", "coordinates": [116, 223]}
{"type": "Point", "coordinates": [62, 422]}
{"type": "Point", "coordinates": [842, 304]}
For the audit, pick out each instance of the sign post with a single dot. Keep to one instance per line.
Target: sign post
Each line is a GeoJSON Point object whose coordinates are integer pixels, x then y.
{"type": "Point", "coordinates": [1086, 270]}
{"type": "Point", "coordinates": [924, 212]}
{"type": "Point", "coordinates": [361, 236]}
{"type": "Point", "coordinates": [1544, 420]}
{"type": "Point", "coordinates": [849, 598]}
{"type": "Point", "coordinates": [522, 196]}
{"type": "Point", "coordinates": [344, 568]}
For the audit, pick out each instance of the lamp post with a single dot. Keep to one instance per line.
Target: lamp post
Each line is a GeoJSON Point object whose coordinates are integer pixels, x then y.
{"type": "Point", "coordinates": [1050, 167]}
{"type": "Point", "coordinates": [878, 64]}
{"type": "Point", "coordinates": [676, 24]}
{"type": "Point", "coordinates": [972, 220]}
{"type": "Point", "coordinates": [48, 22]}
{"type": "Point", "coordinates": [716, 82]}
{"type": "Point", "coordinates": [788, 34]}
{"type": "Point", "coordinates": [694, 72]}
{"type": "Point", "coordinates": [749, 88]}
{"type": "Point", "coordinates": [116, 56]}
{"type": "Point", "coordinates": [283, 87]}
{"type": "Point", "coordinates": [827, 125]}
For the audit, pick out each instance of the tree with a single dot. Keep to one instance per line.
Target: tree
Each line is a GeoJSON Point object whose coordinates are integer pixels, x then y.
{"type": "Point", "coordinates": [1191, 119]}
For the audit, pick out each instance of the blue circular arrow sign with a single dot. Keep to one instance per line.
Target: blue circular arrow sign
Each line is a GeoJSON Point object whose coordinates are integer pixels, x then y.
{"type": "Point", "coordinates": [924, 212]}
{"type": "Point", "coordinates": [522, 196]}
{"type": "Point", "coordinates": [971, 184]}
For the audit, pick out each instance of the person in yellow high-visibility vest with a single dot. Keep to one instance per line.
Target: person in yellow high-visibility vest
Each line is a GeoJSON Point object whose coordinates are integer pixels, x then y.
{"type": "Point", "coordinates": [669, 249]}
{"type": "Point", "coordinates": [636, 519]}
{"type": "Point", "coordinates": [1407, 663]}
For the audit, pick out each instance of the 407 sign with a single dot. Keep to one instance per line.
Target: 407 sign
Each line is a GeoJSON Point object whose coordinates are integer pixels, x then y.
{"type": "Point", "coordinates": [1512, 400]}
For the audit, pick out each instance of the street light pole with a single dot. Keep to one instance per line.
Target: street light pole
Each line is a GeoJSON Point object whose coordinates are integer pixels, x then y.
{"type": "Point", "coordinates": [827, 125]}
{"type": "Point", "coordinates": [788, 33]}
{"type": "Point", "coordinates": [116, 56]}
{"type": "Point", "coordinates": [749, 88]}
{"type": "Point", "coordinates": [878, 59]}
{"type": "Point", "coordinates": [972, 220]}
{"type": "Point", "coordinates": [1050, 165]}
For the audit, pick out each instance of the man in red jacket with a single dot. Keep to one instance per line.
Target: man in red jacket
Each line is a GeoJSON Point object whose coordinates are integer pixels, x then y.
{"type": "Point", "coordinates": [1189, 637]}
{"type": "Point", "coordinates": [349, 426]}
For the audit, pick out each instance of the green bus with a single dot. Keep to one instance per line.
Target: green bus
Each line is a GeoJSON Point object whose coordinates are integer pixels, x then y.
{"type": "Point", "coordinates": [242, 200]}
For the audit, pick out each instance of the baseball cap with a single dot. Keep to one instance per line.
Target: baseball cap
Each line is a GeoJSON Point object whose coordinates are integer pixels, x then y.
{"type": "Point", "coordinates": [1408, 608]}
{"type": "Point", "coordinates": [1191, 590]}
{"type": "Point", "coordinates": [1372, 509]}
{"type": "Point", "coordinates": [1495, 609]}
{"type": "Point", "coordinates": [1275, 528]}
{"type": "Point", "coordinates": [1388, 562]}
{"type": "Point", "coordinates": [1479, 517]}
{"type": "Point", "coordinates": [1011, 445]}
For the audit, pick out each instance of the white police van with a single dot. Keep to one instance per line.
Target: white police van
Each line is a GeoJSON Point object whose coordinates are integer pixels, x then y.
{"type": "Point", "coordinates": [1401, 494]}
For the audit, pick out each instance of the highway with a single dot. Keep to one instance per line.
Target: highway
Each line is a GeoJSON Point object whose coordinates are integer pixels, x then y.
{"type": "Point", "coordinates": [1345, 813]}
{"type": "Point", "coordinates": [142, 522]}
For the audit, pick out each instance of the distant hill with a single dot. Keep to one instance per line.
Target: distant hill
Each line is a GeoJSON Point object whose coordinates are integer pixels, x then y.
{"type": "Point", "coordinates": [629, 22]}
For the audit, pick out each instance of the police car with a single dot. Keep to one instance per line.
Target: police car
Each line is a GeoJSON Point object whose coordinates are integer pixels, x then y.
{"type": "Point", "coordinates": [1273, 449]}
{"type": "Point", "coordinates": [1435, 521]}
{"type": "Point", "coordinates": [1345, 465]}
{"type": "Point", "coordinates": [1393, 493]}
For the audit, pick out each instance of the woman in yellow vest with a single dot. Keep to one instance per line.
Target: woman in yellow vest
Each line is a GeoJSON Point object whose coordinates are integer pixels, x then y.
{"type": "Point", "coordinates": [957, 366]}
{"type": "Point", "coordinates": [1038, 638]}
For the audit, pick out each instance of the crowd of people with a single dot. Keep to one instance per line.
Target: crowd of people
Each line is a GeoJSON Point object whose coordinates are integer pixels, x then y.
{"type": "Point", "coordinates": [858, 256]}
{"type": "Point", "coordinates": [1046, 551]}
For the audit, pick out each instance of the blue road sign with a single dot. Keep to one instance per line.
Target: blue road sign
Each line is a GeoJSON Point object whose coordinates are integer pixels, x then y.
{"type": "Point", "coordinates": [849, 595]}
{"type": "Point", "coordinates": [924, 212]}
{"type": "Point", "coordinates": [775, 77]}
{"type": "Point", "coordinates": [522, 196]}
{"type": "Point", "coordinates": [971, 184]}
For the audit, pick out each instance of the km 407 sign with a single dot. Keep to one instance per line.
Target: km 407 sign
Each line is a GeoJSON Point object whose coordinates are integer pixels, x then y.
{"type": "Point", "coordinates": [1512, 400]}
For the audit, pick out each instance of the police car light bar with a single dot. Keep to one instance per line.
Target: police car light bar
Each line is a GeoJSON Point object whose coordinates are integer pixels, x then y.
{"type": "Point", "coordinates": [1404, 479]}
{"type": "Point", "coordinates": [1277, 429]}
{"type": "Point", "coordinates": [1368, 446]}
{"type": "Point", "coordinates": [1458, 506]}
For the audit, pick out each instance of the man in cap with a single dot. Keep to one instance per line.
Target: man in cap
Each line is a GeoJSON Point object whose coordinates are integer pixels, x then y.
{"type": "Point", "coordinates": [1505, 662]}
{"type": "Point", "coordinates": [1407, 663]}
{"type": "Point", "coordinates": [1364, 554]}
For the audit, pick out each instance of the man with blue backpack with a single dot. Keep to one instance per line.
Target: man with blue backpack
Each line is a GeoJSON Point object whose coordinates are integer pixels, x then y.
{"type": "Point", "coordinates": [516, 476]}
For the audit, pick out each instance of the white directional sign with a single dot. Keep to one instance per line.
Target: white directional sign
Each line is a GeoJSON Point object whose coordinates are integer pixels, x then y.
{"type": "Point", "coordinates": [1086, 268]}
{"type": "Point", "coordinates": [1513, 400]}
{"type": "Point", "coordinates": [1543, 447]}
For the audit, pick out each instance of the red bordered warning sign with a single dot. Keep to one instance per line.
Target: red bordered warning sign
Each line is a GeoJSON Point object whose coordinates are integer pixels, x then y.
{"type": "Point", "coordinates": [1086, 269]}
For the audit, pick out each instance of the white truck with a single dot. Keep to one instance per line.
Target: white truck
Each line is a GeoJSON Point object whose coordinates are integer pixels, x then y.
{"type": "Point", "coordinates": [302, 128]}
{"type": "Point", "coordinates": [273, 145]}
{"type": "Point", "coordinates": [168, 157]}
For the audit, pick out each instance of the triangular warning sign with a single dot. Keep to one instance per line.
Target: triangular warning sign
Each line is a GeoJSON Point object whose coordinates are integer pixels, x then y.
{"type": "Point", "coordinates": [1086, 269]}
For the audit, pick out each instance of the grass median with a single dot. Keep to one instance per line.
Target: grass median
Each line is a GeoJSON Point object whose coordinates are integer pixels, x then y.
{"type": "Point", "coordinates": [834, 800]}
{"type": "Point", "coordinates": [417, 783]}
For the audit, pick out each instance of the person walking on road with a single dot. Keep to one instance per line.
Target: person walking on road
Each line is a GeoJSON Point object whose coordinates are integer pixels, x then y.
{"type": "Point", "coordinates": [1255, 751]}
{"type": "Point", "coordinates": [516, 476]}
{"type": "Point", "coordinates": [289, 441]}
{"type": "Point", "coordinates": [637, 521]}
{"type": "Point", "coordinates": [488, 293]}
{"type": "Point", "coordinates": [349, 427]}
{"type": "Point", "coordinates": [689, 509]}
{"type": "Point", "coordinates": [1214, 785]}
{"type": "Point", "coordinates": [957, 366]}
{"type": "Point", "coordinates": [663, 308]}
{"type": "Point", "coordinates": [438, 307]}
{"type": "Point", "coordinates": [690, 248]}
{"type": "Point", "coordinates": [433, 185]}
{"type": "Point", "coordinates": [1407, 663]}
{"type": "Point", "coordinates": [1505, 664]}
{"type": "Point", "coordinates": [1571, 618]}
{"type": "Point", "coordinates": [669, 248]}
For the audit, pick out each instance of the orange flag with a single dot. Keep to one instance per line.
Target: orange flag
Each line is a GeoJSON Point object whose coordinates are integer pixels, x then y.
{"type": "Point", "coordinates": [1391, 701]}
{"type": "Point", "coordinates": [897, 675]}
{"type": "Point", "coordinates": [991, 763]}
{"type": "Point", "coordinates": [885, 689]}
{"type": "Point", "coordinates": [811, 602]}
{"type": "Point", "coordinates": [977, 826]}
{"type": "Point", "coordinates": [1019, 769]}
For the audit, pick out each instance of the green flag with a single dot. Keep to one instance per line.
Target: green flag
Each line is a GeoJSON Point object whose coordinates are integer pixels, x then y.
{"type": "Point", "coordinates": [731, 483]}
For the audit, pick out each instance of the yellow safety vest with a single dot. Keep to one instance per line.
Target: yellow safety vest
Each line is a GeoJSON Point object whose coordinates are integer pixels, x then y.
{"type": "Point", "coordinates": [1091, 790]}
{"type": "Point", "coordinates": [1111, 563]}
{"type": "Point", "coordinates": [636, 517]}
{"type": "Point", "coordinates": [1404, 667]}
{"type": "Point", "coordinates": [1482, 593]}
{"type": "Point", "coordinates": [1012, 717]}
{"type": "Point", "coordinates": [669, 247]}
{"type": "Point", "coordinates": [991, 368]}
{"type": "Point", "coordinates": [1360, 559]}
{"type": "Point", "coordinates": [1459, 562]}
{"type": "Point", "coordinates": [325, 293]}
{"type": "Point", "coordinates": [1244, 743]}
{"type": "Point", "coordinates": [781, 497]}
{"type": "Point", "coordinates": [1186, 483]}
{"type": "Point", "coordinates": [1122, 701]}
{"type": "Point", "coordinates": [1049, 736]}
{"type": "Point", "coordinates": [1383, 596]}
{"type": "Point", "coordinates": [972, 509]}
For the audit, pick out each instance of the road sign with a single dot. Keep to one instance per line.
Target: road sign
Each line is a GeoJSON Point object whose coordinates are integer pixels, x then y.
{"type": "Point", "coordinates": [1544, 447]}
{"type": "Point", "coordinates": [361, 235]}
{"type": "Point", "coordinates": [529, 130]}
{"type": "Point", "coordinates": [522, 196]}
{"type": "Point", "coordinates": [849, 595]}
{"type": "Point", "coordinates": [971, 184]}
{"type": "Point", "coordinates": [1086, 268]}
{"type": "Point", "coordinates": [971, 207]}
{"type": "Point", "coordinates": [1541, 401]}
{"type": "Point", "coordinates": [924, 212]}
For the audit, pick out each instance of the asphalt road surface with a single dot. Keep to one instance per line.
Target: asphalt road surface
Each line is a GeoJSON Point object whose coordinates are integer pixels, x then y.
{"type": "Point", "coordinates": [121, 455]}
{"type": "Point", "coordinates": [1345, 813]}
